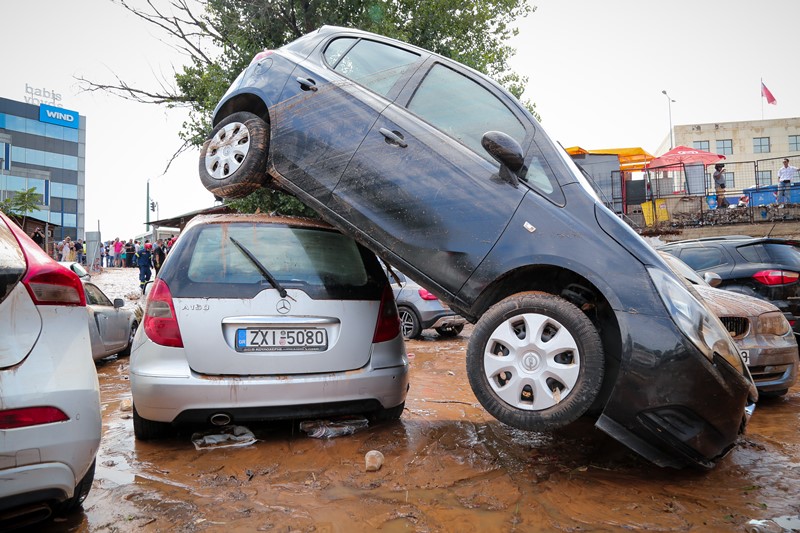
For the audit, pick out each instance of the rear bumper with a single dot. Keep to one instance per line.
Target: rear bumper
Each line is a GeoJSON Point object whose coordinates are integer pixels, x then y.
{"type": "Point", "coordinates": [670, 403]}
{"type": "Point", "coordinates": [191, 397]}
{"type": "Point", "coordinates": [449, 321]}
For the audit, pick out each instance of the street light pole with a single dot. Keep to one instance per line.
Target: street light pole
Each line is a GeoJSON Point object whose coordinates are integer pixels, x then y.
{"type": "Point", "coordinates": [147, 206]}
{"type": "Point", "coordinates": [669, 105]}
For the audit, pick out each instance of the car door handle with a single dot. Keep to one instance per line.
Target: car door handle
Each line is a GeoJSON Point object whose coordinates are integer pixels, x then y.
{"type": "Point", "coordinates": [307, 84]}
{"type": "Point", "coordinates": [394, 137]}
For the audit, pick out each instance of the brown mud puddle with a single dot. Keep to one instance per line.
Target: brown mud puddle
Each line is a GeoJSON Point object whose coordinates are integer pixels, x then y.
{"type": "Point", "coordinates": [448, 467]}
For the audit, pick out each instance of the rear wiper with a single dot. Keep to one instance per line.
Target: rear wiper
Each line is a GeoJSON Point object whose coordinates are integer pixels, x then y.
{"type": "Point", "coordinates": [262, 269]}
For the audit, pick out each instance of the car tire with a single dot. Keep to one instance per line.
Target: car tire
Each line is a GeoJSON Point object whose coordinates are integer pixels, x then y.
{"type": "Point", "coordinates": [233, 160]}
{"type": "Point", "coordinates": [81, 491]}
{"type": "Point", "coordinates": [515, 372]}
{"type": "Point", "coordinates": [773, 393]}
{"type": "Point", "coordinates": [448, 332]}
{"type": "Point", "coordinates": [409, 322]}
{"type": "Point", "coordinates": [126, 352]}
{"type": "Point", "coordinates": [392, 413]}
{"type": "Point", "coordinates": [144, 429]}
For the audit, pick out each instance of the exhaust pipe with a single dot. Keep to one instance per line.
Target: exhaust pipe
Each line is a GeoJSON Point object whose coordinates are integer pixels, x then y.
{"type": "Point", "coordinates": [25, 516]}
{"type": "Point", "coordinates": [220, 419]}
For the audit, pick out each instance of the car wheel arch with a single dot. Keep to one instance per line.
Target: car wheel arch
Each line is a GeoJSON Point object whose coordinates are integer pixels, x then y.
{"type": "Point", "coordinates": [248, 102]}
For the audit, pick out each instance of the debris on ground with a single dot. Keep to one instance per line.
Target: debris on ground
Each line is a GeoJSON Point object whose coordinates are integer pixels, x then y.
{"type": "Point", "coordinates": [328, 429]}
{"type": "Point", "coordinates": [774, 525]}
{"type": "Point", "coordinates": [126, 405]}
{"type": "Point", "coordinates": [373, 460]}
{"type": "Point", "coordinates": [224, 437]}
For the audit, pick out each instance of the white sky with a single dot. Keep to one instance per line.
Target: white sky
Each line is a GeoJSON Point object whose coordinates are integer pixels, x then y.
{"type": "Point", "coordinates": [596, 70]}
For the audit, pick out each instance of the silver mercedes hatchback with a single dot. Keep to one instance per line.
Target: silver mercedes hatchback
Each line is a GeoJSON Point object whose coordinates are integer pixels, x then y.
{"type": "Point", "coordinates": [256, 318]}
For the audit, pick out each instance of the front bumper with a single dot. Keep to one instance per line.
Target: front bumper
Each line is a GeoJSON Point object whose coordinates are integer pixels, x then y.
{"type": "Point", "coordinates": [670, 403]}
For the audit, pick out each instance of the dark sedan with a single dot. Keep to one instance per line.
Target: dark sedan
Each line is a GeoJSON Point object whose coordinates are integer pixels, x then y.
{"type": "Point", "coordinates": [445, 175]}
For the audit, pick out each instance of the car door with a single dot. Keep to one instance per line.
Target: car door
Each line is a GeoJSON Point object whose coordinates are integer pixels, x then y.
{"type": "Point", "coordinates": [422, 186]}
{"type": "Point", "coordinates": [109, 323]}
{"type": "Point", "coordinates": [328, 105]}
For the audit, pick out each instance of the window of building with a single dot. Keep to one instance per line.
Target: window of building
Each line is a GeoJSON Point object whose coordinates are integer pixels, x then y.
{"type": "Point", "coordinates": [794, 143]}
{"type": "Point", "coordinates": [763, 177]}
{"type": "Point", "coordinates": [14, 184]}
{"type": "Point", "coordinates": [64, 190]}
{"type": "Point", "coordinates": [761, 145]}
{"type": "Point", "coordinates": [34, 127]}
{"type": "Point", "coordinates": [701, 145]}
{"type": "Point", "coordinates": [725, 146]}
{"type": "Point", "coordinates": [29, 156]}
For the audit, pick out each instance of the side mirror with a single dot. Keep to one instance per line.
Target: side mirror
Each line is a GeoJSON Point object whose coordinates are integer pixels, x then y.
{"type": "Point", "coordinates": [119, 302]}
{"type": "Point", "coordinates": [712, 278]}
{"type": "Point", "coordinates": [504, 150]}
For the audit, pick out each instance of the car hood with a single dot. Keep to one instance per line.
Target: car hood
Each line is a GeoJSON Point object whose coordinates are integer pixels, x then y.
{"type": "Point", "coordinates": [728, 303]}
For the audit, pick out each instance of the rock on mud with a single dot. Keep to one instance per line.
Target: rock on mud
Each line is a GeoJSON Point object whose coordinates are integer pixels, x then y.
{"type": "Point", "coordinates": [373, 460]}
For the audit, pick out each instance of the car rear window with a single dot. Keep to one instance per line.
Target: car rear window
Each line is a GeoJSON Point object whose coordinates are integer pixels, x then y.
{"type": "Point", "coordinates": [772, 252]}
{"type": "Point", "coordinates": [12, 261]}
{"type": "Point", "coordinates": [323, 263]}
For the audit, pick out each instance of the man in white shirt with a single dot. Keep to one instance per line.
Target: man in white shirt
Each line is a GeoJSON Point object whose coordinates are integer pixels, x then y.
{"type": "Point", "coordinates": [786, 175]}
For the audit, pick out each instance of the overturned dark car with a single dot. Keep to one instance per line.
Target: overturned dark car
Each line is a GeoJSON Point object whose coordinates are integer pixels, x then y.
{"type": "Point", "coordinates": [443, 173]}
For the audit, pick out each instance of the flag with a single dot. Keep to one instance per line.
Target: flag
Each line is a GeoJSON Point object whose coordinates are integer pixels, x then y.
{"type": "Point", "coordinates": [768, 95]}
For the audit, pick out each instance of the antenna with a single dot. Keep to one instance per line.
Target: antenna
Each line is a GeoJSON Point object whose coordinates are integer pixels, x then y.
{"type": "Point", "coordinates": [769, 233]}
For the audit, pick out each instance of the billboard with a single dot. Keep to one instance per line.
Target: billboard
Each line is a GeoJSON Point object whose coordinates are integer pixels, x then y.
{"type": "Point", "coordinates": [58, 116]}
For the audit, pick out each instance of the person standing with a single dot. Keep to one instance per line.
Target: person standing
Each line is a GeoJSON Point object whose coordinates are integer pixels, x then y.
{"type": "Point", "coordinates": [79, 255]}
{"type": "Point", "coordinates": [158, 255]}
{"type": "Point", "coordinates": [144, 260]}
{"type": "Point", "coordinates": [130, 252]}
{"type": "Point", "coordinates": [118, 245]}
{"type": "Point", "coordinates": [719, 185]}
{"type": "Point", "coordinates": [786, 175]}
{"type": "Point", "coordinates": [38, 238]}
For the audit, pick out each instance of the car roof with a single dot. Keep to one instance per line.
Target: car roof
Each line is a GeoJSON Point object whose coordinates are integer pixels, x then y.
{"type": "Point", "coordinates": [260, 218]}
{"type": "Point", "coordinates": [730, 239]}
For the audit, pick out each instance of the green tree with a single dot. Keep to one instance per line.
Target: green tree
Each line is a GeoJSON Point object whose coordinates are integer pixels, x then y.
{"type": "Point", "coordinates": [220, 37]}
{"type": "Point", "coordinates": [22, 203]}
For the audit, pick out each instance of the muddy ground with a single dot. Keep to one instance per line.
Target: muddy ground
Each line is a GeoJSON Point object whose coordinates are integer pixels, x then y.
{"type": "Point", "coordinates": [448, 467]}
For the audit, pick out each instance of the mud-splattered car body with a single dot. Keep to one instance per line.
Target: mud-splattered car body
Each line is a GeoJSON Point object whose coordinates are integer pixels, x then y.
{"type": "Point", "coordinates": [444, 174]}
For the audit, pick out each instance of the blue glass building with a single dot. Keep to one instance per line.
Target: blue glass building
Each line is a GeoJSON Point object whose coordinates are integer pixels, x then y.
{"type": "Point", "coordinates": [44, 147]}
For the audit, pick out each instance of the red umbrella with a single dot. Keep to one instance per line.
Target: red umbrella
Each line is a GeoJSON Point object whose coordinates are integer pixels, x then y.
{"type": "Point", "coordinates": [685, 155]}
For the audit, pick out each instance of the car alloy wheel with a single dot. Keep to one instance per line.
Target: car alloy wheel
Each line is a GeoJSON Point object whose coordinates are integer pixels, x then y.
{"type": "Point", "coordinates": [535, 361]}
{"type": "Point", "coordinates": [409, 323]}
{"type": "Point", "coordinates": [233, 160]}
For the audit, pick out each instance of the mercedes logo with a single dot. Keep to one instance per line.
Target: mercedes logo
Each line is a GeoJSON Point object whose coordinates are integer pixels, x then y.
{"type": "Point", "coordinates": [283, 306]}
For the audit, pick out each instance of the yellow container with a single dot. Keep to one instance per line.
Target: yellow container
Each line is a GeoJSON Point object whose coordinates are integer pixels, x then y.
{"type": "Point", "coordinates": [662, 215]}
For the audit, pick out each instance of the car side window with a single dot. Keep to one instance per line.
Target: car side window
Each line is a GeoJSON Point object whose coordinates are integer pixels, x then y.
{"type": "Point", "coordinates": [463, 109]}
{"type": "Point", "coordinates": [95, 296]}
{"type": "Point", "coordinates": [702, 258]}
{"type": "Point", "coordinates": [374, 65]}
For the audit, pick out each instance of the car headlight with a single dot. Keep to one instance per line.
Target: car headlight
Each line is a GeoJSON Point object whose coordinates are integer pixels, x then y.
{"type": "Point", "coordinates": [772, 323]}
{"type": "Point", "coordinates": [694, 319]}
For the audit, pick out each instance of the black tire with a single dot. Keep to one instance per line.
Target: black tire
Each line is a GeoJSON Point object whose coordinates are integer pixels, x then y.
{"type": "Point", "coordinates": [519, 387]}
{"type": "Point", "coordinates": [233, 160]}
{"type": "Point", "coordinates": [144, 429]}
{"type": "Point", "coordinates": [126, 352]}
{"type": "Point", "coordinates": [409, 322]}
{"type": "Point", "coordinates": [386, 415]}
{"type": "Point", "coordinates": [81, 491]}
{"type": "Point", "coordinates": [448, 332]}
{"type": "Point", "coordinates": [773, 393]}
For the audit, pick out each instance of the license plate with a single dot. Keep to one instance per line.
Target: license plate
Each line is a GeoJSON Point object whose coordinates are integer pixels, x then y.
{"type": "Point", "coordinates": [745, 356]}
{"type": "Point", "coordinates": [281, 339]}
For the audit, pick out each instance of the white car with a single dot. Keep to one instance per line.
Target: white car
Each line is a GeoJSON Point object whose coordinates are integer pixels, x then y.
{"type": "Point", "coordinates": [50, 420]}
{"type": "Point", "coordinates": [256, 318]}
{"type": "Point", "coordinates": [111, 326]}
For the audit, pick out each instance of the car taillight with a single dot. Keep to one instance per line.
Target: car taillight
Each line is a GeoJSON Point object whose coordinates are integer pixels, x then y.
{"type": "Point", "coordinates": [30, 416]}
{"type": "Point", "coordinates": [49, 283]}
{"type": "Point", "coordinates": [425, 294]}
{"type": "Point", "coordinates": [388, 326]}
{"type": "Point", "coordinates": [160, 322]}
{"type": "Point", "coordinates": [776, 277]}
{"type": "Point", "coordinates": [261, 55]}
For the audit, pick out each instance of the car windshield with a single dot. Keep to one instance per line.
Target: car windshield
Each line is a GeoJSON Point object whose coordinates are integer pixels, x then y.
{"type": "Point", "coordinates": [294, 256]}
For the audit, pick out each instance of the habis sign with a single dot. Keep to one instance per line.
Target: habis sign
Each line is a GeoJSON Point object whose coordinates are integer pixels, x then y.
{"type": "Point", "coordinates": [58, 116]}
{"type": "Point", "coordinates": [36, 96]}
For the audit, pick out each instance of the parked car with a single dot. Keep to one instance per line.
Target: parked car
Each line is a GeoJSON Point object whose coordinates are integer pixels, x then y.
{"type": "Point", "coordinates": [420, 309]}
{"type": "Point", "coordinates": [77, 268]}
{"type": "Point", "coordinates": [445, 175]}
{"type": "Point", "coordinates": [49, 395]}
{"type": "Point", "coordinates": [760, 330]}
{"type": "Point", "coordinates": [763, 267]}
{"type": "Point", "coordinates": [255, 317]}
{"type": "Point", "coordinates": [111, 327]}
